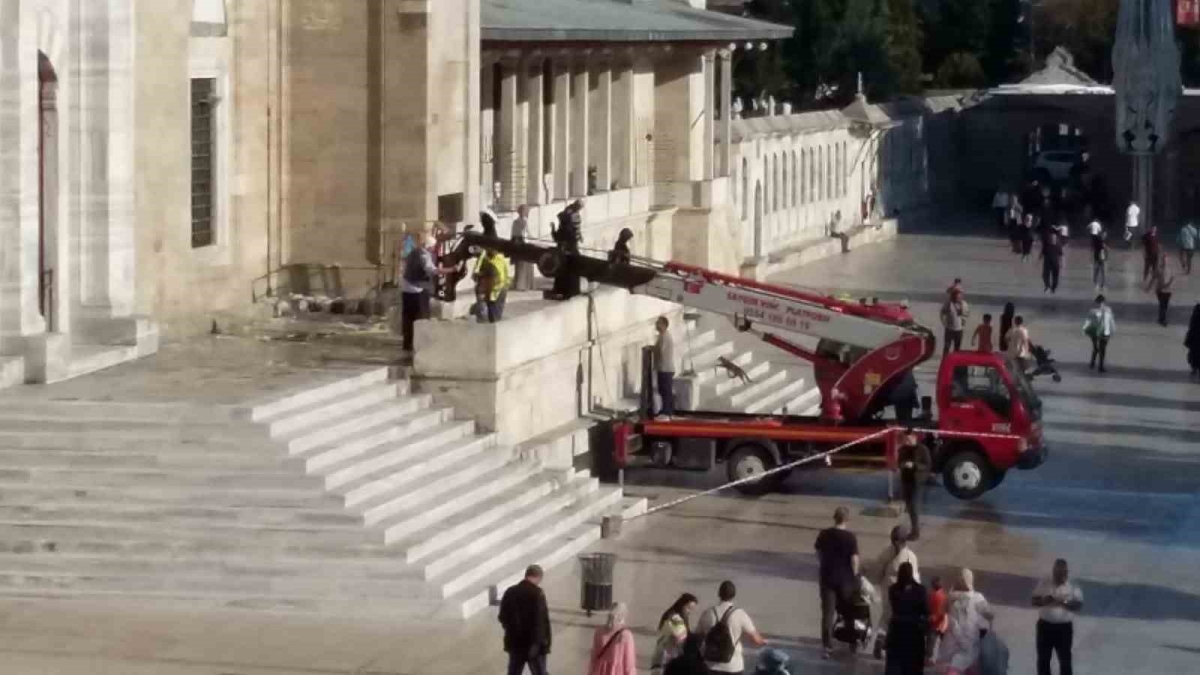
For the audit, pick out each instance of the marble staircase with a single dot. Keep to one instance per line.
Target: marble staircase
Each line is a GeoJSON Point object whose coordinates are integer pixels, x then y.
{"type": "Point", "coordinates": [774, 387]}
{"type": "Point", "coordinates": [359, 496]}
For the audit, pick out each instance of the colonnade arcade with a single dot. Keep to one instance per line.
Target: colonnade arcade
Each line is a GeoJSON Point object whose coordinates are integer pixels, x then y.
{"type": "Point", "coordinates": [566, 121]}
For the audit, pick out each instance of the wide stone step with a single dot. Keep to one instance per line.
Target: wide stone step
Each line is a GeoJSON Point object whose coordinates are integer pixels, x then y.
{"type": "Point", "coordinates": [281, 406]}
{"type": "Point", "coordinates": [222, 496]}
{"type": "Point", "coordinates": [724, 385]}
{"type": "Point", "coordinates": [485, 544]}
{"type": "Point", "coordinates": [760, 388]}
{"type": "Point", "coordinates": [232, 438]}
{"type": "Point", "coordinates": [706, 355]}
{"type": "Point", "coordinates": [108, 538]}
{"type": "Point", "coordinates": [366, 441]}
{"type": "Point", "coordinates": [395, 464]}
{"type": "Point", "coordinates": [522, 545]}
{"type": "Point", "coordinates": [555, 551]}
{"type": "Point", "coordinates": [777, 398]}
{"type": "Point", "coordinates": [438, 488]}
{"type": "Point", "coordinates": [255, 459]}
{"type": "Point", "coordinates": [807, 402]}
{"type": "Point", "coordinates": [325, 412]}
{"type": "Point", "coordinates": [43, 562]}
{"type": "Point", "coordinates": [217, 478]}
{"type": "Point", "coordinates": [191, 517]}
{"type": "Point", "coordinates": [404, 523]}
{"type": "Point", "coordinates": [484, 514]}
{"type": "Point", "coordinates": [390, 411]}
{"type": "Point", "coordinates": [150, 412]}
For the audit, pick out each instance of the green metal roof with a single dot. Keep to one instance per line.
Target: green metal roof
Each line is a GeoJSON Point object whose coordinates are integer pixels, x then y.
{"type": "Point", "coordinates": [617, 21]}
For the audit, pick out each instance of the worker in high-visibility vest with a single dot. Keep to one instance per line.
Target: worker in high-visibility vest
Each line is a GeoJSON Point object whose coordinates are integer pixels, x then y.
{"type": "Point", "coordinates": [493, 276]}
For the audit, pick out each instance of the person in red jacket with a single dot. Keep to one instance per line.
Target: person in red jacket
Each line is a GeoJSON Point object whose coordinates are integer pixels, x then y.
{"type": "Point", "coordinates": [1151, 248]}
{"type": "Point", "coordinates": [938, 619]}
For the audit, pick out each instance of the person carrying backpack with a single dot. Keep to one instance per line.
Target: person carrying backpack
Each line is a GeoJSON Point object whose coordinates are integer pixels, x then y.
{"type": "Point", "coordinates": [724, 626]}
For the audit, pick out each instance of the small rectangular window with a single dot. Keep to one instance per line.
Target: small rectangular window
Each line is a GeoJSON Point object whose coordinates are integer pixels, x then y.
{"type": "Point", "coordinates": [204, 161]}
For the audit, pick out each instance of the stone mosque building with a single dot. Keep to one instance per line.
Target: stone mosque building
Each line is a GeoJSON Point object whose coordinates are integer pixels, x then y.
{"type": "Point", "coordinates": [168, 162]}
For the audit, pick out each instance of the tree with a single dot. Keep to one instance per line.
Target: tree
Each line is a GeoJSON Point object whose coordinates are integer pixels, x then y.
{"type": "Point", "coordinates": [904, 38]}
{"type": "Point", "coordinates": [1007, 55]}
{"type": "Point", "coordinates": [1084, 27]}
{"type": "Point", "coordinates": [960, 70]}
{"type": "Point", "coordinates": [956, 26]}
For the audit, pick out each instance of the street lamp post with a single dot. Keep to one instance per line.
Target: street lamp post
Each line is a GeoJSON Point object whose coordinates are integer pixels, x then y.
{"type": "Point", "coordinates": [1147, 84]}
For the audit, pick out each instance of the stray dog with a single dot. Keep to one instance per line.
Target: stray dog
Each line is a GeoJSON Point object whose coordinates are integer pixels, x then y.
{"type": "Point", "coordinates": [733, 370]}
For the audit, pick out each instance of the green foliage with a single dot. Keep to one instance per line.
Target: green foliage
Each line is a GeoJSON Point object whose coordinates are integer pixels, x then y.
{"type": "Point", "coordinates": [960, 70]}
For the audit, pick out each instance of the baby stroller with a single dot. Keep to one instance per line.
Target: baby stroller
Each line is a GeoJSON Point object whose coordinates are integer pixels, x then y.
{"type": "Point", "coordinates": [853, 622]}
{"type": "Point", "coordinates": [1043, 363]}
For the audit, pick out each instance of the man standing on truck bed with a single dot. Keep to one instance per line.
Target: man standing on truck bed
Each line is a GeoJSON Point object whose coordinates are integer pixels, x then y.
{"type": "Point", "coordinates": [664, 366]}
{"type": "Point", "coordinates": [837, 551]}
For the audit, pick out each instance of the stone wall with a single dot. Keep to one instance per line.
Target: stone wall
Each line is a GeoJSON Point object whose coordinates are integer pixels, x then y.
{"type": "Point", "coordinates": [182, 286]}
{"type": "Point", "coordinates": [538, 371]}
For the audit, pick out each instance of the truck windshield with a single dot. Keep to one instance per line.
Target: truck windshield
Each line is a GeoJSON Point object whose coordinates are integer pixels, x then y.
{"type": "Point", "coordinates": [1025, 390]}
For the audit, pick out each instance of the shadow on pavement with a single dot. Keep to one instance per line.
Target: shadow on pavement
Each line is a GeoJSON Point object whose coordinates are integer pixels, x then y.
{"type": "Point", "coordinates": [1127, 400]}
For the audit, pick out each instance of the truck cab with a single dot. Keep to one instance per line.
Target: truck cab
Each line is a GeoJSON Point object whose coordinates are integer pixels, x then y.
{"type": "Point", "coordinates": [990, 421]}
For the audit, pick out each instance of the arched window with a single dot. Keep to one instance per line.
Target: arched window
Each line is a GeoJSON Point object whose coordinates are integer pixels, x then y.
{"type": "Point", "coordinates": [812, 175]}
{"type": "Point", "coordinates": [775, 182]}
{"type": "Point", "coordinates": [766, 183]}
{"type": "Point", "coordinates": [803, 176]}
{"type": "Point", "coordinates": [828, 172]}
{"type": "Point", "coordinates": [795, 179]}
{"type": "Point", "coordinates": [845, 169]}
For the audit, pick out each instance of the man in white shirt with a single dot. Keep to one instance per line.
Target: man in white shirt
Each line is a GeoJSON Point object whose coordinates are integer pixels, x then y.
{"type": "Point", "coordinates": [737, 621]}
{"type": "Point", "coordinates": [664, 366]}
{"type": "Point", "coordinates": [1057, 599]}
{"type": "Point", "coordinates": [1131, 219]}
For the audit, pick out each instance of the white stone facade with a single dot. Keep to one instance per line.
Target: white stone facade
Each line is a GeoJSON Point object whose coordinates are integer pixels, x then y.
{"type": "Point", "coordinates": [794, 174]}
{"type": "Point", "coordinates": [66, 189]}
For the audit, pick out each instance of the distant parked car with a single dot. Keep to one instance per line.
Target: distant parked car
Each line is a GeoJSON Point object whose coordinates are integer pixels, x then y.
{"type": "Point", "coordinates": [1056, 165]}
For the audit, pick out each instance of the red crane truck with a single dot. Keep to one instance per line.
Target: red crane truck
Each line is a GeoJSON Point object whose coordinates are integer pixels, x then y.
{"type": "Point", "coordinates": [988, 420]}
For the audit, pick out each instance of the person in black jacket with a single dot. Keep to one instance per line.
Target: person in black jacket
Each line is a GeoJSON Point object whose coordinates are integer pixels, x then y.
{"type": "Point", "coordinates": [910, 621]}
{"type": "Point", "coordinates": [526, 621]}
{"type": "Point", "coordinates": [915, 462]}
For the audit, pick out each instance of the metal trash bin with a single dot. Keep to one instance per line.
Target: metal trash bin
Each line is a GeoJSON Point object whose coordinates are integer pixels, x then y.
{"type": "Point", "coordinates": [596, 593]}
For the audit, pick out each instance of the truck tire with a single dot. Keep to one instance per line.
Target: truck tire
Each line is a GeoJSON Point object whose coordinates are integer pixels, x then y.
{"type": "Point", "coordinates": [748, 460]}
{"type": "Point", "coordinates": [967, 474]}
{"type": "Point", "coordinates": [998, 478]}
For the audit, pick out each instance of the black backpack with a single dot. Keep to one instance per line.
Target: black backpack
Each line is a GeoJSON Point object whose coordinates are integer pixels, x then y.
{"type": "Point", "coordinates": [718, 642]}
{"type": "Point", "coordinates": [414, 269]}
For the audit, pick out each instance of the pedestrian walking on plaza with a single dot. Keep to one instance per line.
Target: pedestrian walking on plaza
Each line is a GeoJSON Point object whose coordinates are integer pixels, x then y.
{"type": "Point", "coordinates": [1095, 233]}
{"type": "Point", "coordinates": [1027, 237]}
{"type": "Point", "coordinates": [1151, 251]}
{"type": "Point", "coordinates": [909, 624]}
{"type": "Point", "coordinates": [888, 565]}
{"type": "Point", "coordinates": [526, 621]}
{"type": "Point", "coordinates": [664, 365]}
{"type": "Point", "coordinates": [915, 462]}
{"type": "Point", "coordinates": [968, 617]}
{"type": "Point", "coordinates": [1100, 262]}
{"type": "Point", "coordinates": [1160, 282]}
{"type": "Point", "coordinates": [417, 288]}
{"type": "Point", "coordinates": [939, 621]}
{"type": "Point", "coordinates": [724, 626]}
{"type": "Point", "coordinates": [1132, 213]}
{"type": "Point", "coordinates": [1188, 237]}
{"type": "Point", "coordinates": [837, 555]}
{"type": "Point", "coordinates": [523, 278]}
{"type": "Point", "coordinates": [1052, 251]}
{"type": "Point", "coordinates": [1057, 600]}
{"type": "Point", "coordinates": [1000, 208]}
{"type": "Point", "coordinates": [1099, 327]}
{"type": "Point", "coordinates": [981, 339]}
{"type": "Point", "coordinates": [954, 318]}
{"type": "Point", "coordinates": [1192, 341]}
{"type": "Point", "coordinates": [613, 651]}
{"type": "Point", "coordinates": [1019, 343]}
{"type": "Point", "coordinates": [1015, 218]}
{"type": "Point", "coordinates": [673, 630]}
{"type": "Point", "coordinates": [1006, 323]}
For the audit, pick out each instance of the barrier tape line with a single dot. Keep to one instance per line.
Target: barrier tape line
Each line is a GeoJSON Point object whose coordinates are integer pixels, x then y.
{"type": "Point", "coordinates": [751, 479]}
{"type": "Point", "coordinates": [817, 457]}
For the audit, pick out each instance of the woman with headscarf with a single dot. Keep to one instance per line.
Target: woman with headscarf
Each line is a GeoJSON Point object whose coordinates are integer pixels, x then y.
{"type": "Point", "coordinates": [1192, 341]}
{"type": "Point", "coordinates": [612, 645]}
{"type": "Point", "coordinates": [1006, 322]}
{"type": "Point", "coordinates": [910, 621]}
{"type": "Point", "coordinates": [673, 630]}
{"type": "Point", "coordinates": [969, 614]}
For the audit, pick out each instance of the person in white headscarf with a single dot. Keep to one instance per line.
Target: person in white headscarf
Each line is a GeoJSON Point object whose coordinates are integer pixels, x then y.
{"type": "Point", "coordinates": [613, 650]}
{"type": "Point", "coordinates": [969, 613]}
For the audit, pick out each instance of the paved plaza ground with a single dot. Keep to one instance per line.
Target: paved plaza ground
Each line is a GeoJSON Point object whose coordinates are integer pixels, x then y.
{"type": "Point", "coordinates": [1118, 498]}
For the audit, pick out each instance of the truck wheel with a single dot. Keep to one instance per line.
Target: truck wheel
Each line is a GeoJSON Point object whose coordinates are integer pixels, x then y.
{"type": "Point", "coordinates": [750, 460]}
{"type": "Point", "coordinates": [998, 478]}
{"type": "Point", "coordinates": [967, 474]}
{"type": "Point", "coordinates": [550, 263]}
